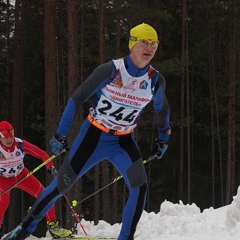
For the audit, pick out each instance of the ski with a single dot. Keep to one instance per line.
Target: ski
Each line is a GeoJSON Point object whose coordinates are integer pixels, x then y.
{"type": "Point", "coordinates": [67, 238]}
{"type": "Point", "coordinates": [81, 238]}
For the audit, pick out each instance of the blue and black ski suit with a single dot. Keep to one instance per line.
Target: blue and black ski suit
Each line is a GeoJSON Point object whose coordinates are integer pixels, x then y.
{"type": "Point", "coordinates": [120, 92]}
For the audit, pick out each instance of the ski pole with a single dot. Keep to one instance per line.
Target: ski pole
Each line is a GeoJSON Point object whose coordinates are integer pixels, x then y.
{"type": "Point", "coordinates": [75, 202]}
{"type": "Point", "coordinates": [31, 173]}
{"type": "Point", "coordinates": [76, 216]}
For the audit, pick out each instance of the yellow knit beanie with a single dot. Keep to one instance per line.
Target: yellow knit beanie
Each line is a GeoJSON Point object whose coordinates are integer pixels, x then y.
{"type": "Point", "coordinates": [144, 31]}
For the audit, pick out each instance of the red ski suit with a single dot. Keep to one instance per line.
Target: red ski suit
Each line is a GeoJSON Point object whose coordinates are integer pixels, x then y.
{"type": "Point", "coordinates": [12, 170]}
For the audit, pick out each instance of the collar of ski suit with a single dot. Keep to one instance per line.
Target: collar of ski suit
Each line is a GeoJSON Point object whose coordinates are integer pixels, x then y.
{"type": "Point", "coordinates": [133, 70]}
{"type": "Point", "coordinates": [10, 149]}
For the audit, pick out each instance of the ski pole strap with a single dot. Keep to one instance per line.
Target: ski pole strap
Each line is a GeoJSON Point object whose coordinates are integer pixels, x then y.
{"type": "Point", "coordinates": [31, 173]}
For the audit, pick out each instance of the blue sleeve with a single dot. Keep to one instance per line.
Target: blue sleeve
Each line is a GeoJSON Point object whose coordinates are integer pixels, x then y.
{"type": "Point", "coordinates": [162, 110]}
{"type": "Point", "coordinates": [97, 79]}
{"type": "Point", "coordinates": [67, 118]}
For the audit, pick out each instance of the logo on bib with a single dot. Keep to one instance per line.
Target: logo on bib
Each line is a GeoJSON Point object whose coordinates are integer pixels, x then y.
{"type": "Point", "coordinates": [18, 153]}
{"type": "Point", "coordinates": [131, 86]}
{"type": "Point", "coordinates": [2, 158]}
{"type": "Point", "coordinates": [143, 85]}
{"type": "Point", "coordinates": [117, 81]}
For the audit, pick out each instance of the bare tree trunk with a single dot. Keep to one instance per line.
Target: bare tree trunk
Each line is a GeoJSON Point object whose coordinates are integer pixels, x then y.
{"type": "Point", "coordinates": [216, 121]}
{"type": "Point", "coordinates": [159, 6]}
{"type": "Point", "coordinates": [231, 156]}
{"type": "Point", "coordinates": [105, 164]}
{"type": "Point", "coordinates": [212, 142]}
{"type": "Point", "coordinates": [189, 145]}
{"type": "Point", "coordinates": [51, 78]}
{"type": "Point", "coordinates": [211, 35]}
{"type": "Point", "coordinates": [181, 157]}
{"type": "Point", "coordinates": [211, 79]}
{"type": "Point", "coordinates": [118, 27]}
{"type": "Point", "coordinates": [51, 82]}
{"type": "Point", "coordinates": [17, 114]}
{"type": "Point", "coordinates": [115, 188]}
{"type": "Point", "coordinates": [17, 98]}
{"type": "Point", "coordinates": [217, 100]}
{"type": "Point", "coordinates": [8, 41]}
{"type": "Point", "coordinates": [96, 196]}
{"type": "Point", "coordinates": [72, 8]}
{"type": "Point", "coordinates": [6, 78]}
{"type": "Point", "coordinates": [233, 70]}
{"type": "Point", "coordinates": [218, 137]}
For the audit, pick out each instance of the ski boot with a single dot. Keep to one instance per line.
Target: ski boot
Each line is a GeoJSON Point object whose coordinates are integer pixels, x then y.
{"type": "Point", "coordinates": [56, 231]}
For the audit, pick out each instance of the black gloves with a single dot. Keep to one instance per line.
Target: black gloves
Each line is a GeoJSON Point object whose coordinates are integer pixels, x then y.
{"type": "Point", "coordinates": [52, 171]}
{"type": "Point", "coordinates": [158, 150]}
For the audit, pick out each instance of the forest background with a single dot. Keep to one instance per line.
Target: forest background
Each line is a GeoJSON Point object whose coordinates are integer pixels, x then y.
{"type": "Point", "coordinates": [50, 47]}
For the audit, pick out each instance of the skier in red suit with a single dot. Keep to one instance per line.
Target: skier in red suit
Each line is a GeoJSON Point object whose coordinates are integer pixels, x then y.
{"type": "Point", "coordinates": [12, 170]}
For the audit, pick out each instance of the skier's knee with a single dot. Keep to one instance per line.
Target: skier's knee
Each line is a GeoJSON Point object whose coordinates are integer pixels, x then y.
{"type": "Point", "coordinates": [66, 177]}
{"type": "Point", "coordinates": [137, 174]}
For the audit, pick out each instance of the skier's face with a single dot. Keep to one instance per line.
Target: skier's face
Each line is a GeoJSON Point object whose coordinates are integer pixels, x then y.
{"type": "Point", "coordinates": [7, 142]}
{"type": "Point", "coordinates": [142, 53]}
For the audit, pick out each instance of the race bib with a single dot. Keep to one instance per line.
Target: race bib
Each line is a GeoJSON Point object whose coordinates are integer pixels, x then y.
{"type": "Point", "coordinates": [11, 171]}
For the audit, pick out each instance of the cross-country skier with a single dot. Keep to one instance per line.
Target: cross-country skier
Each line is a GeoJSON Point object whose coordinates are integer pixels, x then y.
{"type": "Point", "coordinates": [121, 88]}
{"type": "Point", "coordinates": [12, 170]}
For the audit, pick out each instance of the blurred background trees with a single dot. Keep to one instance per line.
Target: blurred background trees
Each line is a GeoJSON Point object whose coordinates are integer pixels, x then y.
{"type": "Point", "coordinates": [50, 47]}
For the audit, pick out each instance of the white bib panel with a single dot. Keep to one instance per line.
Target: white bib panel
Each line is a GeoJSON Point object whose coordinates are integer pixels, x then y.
{"type": "Point", "coordinates": [11, 163]}
{"type": "Point", "coordinates": [122, 100]}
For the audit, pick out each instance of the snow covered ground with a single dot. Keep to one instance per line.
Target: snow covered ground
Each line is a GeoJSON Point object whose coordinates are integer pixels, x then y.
{"type": "Point", "coordinates": [179, 222]}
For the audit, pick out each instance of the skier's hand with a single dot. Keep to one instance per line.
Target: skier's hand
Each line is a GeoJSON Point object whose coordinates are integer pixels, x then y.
{"type": "Point", "coordinates": [158, 150]}
{"type": "Point", "coordinates": [58, 144]}
{"type": "Point", "coordinates": [52, 171]}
